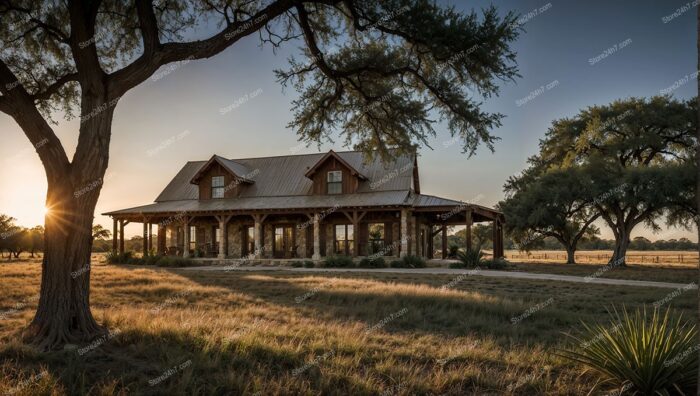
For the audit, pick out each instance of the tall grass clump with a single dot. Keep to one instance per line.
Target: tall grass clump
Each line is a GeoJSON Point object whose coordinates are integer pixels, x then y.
{"type": "Point", "coordinates": [469, 259]}
{"type": "Point", "coordinates": [338, 262]}
{"type": "Point", "coordinates": [642, 353]}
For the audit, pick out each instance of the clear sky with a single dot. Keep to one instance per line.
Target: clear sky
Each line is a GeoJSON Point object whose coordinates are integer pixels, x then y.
{"type": "Point", "coordinates": [178, 117]}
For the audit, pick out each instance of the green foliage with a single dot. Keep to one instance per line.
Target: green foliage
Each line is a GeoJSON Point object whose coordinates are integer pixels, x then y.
{"type": "Point", "coordinates": [156, 260]}
{"type": "Point", "coordinates": [338, 262]}
{"type": "Point", "coordinates": [119, 258]}
{"type": "Point", "coordinates": [296, 264]}
{"type": "Point", "coordinates": [497, 264]}
{"type": "Point", "coordinates": [650, 353]}
{"type": "Point", "coordinates": [471, 259]}
{"type": "Point", "coordinates": [100, 233]}
{"type": "Point", "coordinates": [309, 264]}
{"type": "Point", "coordinates": [452, 251]}
{"type": "Point", "coordinates": [374, 262]}
{"type": "Point", "coordinates": [409, 262]}
{"type": "Point", "coordinates": [175, 262]}
{"type": "Point", "coordinates": [628, 162]}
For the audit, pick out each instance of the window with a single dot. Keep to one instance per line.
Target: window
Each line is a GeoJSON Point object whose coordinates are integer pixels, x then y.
{"type": "Point", "coordinates": [217, 187]}
{"type": "Point", "coordinates": [193, 238]}
{"type": "Point", "coordinates": [250, 240]}
{"type": "Point", "coordinates": [335, 182]}
{"type": "Point", "coordinates": [344, 239]}
{"type": "Point", "coordinates": [376, 238]}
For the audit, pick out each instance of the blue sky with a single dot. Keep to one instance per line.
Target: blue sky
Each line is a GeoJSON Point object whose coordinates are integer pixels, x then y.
{"type": "Point", "coordinates": [178, 117]}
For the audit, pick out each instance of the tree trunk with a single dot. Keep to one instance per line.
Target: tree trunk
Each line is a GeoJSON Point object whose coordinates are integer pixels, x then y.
{"type": "Point", "coordinates": [570, 255]}
{"type": "Point", "coordinates": [622, 242]}
{"type": "Point", "coordinates": [63, 315]}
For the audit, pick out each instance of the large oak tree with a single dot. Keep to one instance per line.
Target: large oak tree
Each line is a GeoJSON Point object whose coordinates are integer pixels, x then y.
{"type": "Point", "coordinates": [400, 64]}
{"type": "Point", "coordinates": [629, 150]}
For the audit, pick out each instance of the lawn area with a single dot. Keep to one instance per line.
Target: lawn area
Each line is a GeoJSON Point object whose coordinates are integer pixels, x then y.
{"type": "Point", "coordinates": [179, 332]}
{"type": "Point", "coordinates": [646, 272]}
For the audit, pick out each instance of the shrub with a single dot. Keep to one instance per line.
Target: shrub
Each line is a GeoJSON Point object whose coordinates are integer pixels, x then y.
{"type": "Point", "coordinates": [338, 262]}
{"type": "Point", "coordinates": [172, 262]}
{"type": "Point", "coordinates": [469, 259]}
{"type": "Point", "coordinates": [374, 262]}
{"type": "Point", "coordinates": [396, 264]}
{"type": "Point", "coordinates": [296, 264]}
{"type": "Point", "coordinates": [152, 259]}
{"type": "Point", "coordinates": [119, 258]}
{"type": "Point", "coordinates": [408, 262]}
{"type": "Point", "coordinates": [497, 264]}
{"type": "Point", "coordinates": [309, 264]}
{"type": "Point", "coordinates": [453, 251]}
{"type": "Point", "coordinates": [649, 355]}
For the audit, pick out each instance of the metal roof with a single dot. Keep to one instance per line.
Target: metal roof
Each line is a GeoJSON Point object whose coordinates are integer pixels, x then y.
{"type": "Point", "coordinates": [381, 198]}
{"type": "Point", "coordinates": [285, 175]}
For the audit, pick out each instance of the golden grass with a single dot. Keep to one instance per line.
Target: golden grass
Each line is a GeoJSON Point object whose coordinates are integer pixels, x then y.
{"type": "Point", "coordinates": [280, 333]}
{"type": "Point", "coordinates": [641, 257]}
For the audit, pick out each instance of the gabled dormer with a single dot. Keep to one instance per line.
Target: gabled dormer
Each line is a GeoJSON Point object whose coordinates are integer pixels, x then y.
{"type": "Point", "coordinates": [333, 175]}
{"type": "Point", "coordinates": [221, 178]}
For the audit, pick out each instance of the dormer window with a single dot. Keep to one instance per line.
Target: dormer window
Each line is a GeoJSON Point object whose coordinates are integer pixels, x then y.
{"type": "Point", "coordinates": [335, 182]}
{"type": "Point", "coordinates": [217, 187]}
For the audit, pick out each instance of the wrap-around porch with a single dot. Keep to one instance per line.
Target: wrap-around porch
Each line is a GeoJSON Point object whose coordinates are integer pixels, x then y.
{"type": "Point", "coordinates": [304, 234]}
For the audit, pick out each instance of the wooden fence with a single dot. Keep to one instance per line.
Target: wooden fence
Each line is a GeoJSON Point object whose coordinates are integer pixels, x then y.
{"type": "Point", "coordinates": [680, 258]}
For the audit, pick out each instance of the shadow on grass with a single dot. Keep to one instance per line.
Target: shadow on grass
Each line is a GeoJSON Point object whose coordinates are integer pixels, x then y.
{"type": "Point", "coordinates": [167, 363]}
{"type": "Point", "coordinates": [398, 308]}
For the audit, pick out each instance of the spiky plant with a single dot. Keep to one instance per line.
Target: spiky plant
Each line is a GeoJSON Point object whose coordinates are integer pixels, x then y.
{"type": "Point", "coordinates": [471, 258]}
{"type": "Point", "coordinates": [644, 354]}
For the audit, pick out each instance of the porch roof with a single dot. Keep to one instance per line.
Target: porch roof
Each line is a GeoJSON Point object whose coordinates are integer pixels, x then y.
{"type": "Point", "coordinates": [378, 199]}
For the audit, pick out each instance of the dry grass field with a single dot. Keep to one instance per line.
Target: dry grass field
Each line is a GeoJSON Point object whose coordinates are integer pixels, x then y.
{"type": "Point", "coordinates": [681, 258]}
{"type": "Point", "coordinates": [178, 332]}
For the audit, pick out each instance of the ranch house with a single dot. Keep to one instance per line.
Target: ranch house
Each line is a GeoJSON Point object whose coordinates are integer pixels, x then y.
{"type": "Point", "coordinates": [301, 206]}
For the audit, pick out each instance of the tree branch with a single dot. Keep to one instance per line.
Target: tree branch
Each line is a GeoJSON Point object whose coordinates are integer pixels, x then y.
{"type": "Point", "coordinates": [147, 64]}
{"type": "Point", "coordinates": [20, 105]}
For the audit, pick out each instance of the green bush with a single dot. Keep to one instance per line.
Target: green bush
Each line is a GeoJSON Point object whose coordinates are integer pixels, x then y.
{"type": "Point", "coordinates": [309, 264]}
{"type": "Point", "coordinates": [119, 258]}
{"type": "Point", "coordinates": [408, 262]}
{"type": "Point", "coordinates": [453, 251]}
{"type": "Point", "coordinates": [647, 355]}
{"type": "Point", "coordinates": [172, 262]}
{"type": "Point", "coordinates": [152, 259]}
{"type": "Point", "coordinates": [296, 264]}
{"type": "Point", "coordinates": [497, 264]}
{"type": "Point", "coordinates": [470, 259]}
{"type": "Point", "coordinates": [374, 262]}
{"type": "Point", "coordinates": [338, 262]}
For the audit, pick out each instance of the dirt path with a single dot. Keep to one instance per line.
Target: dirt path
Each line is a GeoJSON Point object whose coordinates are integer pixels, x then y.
{"type": "Point", "coordinates": [456, 272]}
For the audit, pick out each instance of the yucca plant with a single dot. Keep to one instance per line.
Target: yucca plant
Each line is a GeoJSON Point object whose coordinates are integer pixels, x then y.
{"type": "Point", "coordinates": [645, 354]}
{"type": "Point", "coordinates": [471, 258]}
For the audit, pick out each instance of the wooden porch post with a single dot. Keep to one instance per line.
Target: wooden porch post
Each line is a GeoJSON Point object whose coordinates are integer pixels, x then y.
{"type": "Point", "coordinates": [161, 238]}
{"type": "Point", "coordinates": [495, 238]}
{"type": "Point", "coordinates": [500, 239]}
{"type": "Point", "coordinates": [145, 237]}
{"type": "Point", "coordinates": [258, 234]}
{"type": "Point", "coordinates": [122, 224]}
{"type": "Point", "coordinates": [416, 240]}
{"type": "Point", "coordinates": [444, 241]}
{"type": "Point", "coordinates": [468, 233]}
{"type": "Point", "coordinates": [430, 242]}
{"type": "Point", "coordinates": [115, 235]}
{"type": "Point", "coordinates": [404, 233]}
{"type": "Point", "coordinates": [223, 234]}
{"type": "Point", "coordinates": [316, 256]}
{"type": "Point", "coordinates": [186, 237]}
{"type": "Point", "coordinates": [150, 237]}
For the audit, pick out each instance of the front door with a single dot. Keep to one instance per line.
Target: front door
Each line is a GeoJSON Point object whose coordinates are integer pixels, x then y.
{"type": "Point", "coordinates": [284, 242]}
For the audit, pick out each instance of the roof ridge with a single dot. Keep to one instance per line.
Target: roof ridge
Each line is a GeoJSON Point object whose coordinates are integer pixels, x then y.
{"type": "Point", "coordinates": [301, 155]}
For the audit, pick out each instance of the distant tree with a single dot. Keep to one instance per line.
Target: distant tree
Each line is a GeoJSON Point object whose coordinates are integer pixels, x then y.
{"type": "Point", "coordinates": [34, 240]}
{"type": "Point", "coordinates": [100, 233]}
{"type": "Point", "coordinates": [555, 203]}
{"type": "Point", "coordinates": [379, 71]}
{"type": "Point", "coordinates": [630, 149]}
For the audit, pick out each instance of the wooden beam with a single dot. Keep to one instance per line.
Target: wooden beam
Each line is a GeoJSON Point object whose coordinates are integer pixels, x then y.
{"type": "Point", "coordinates": [444, 241]}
